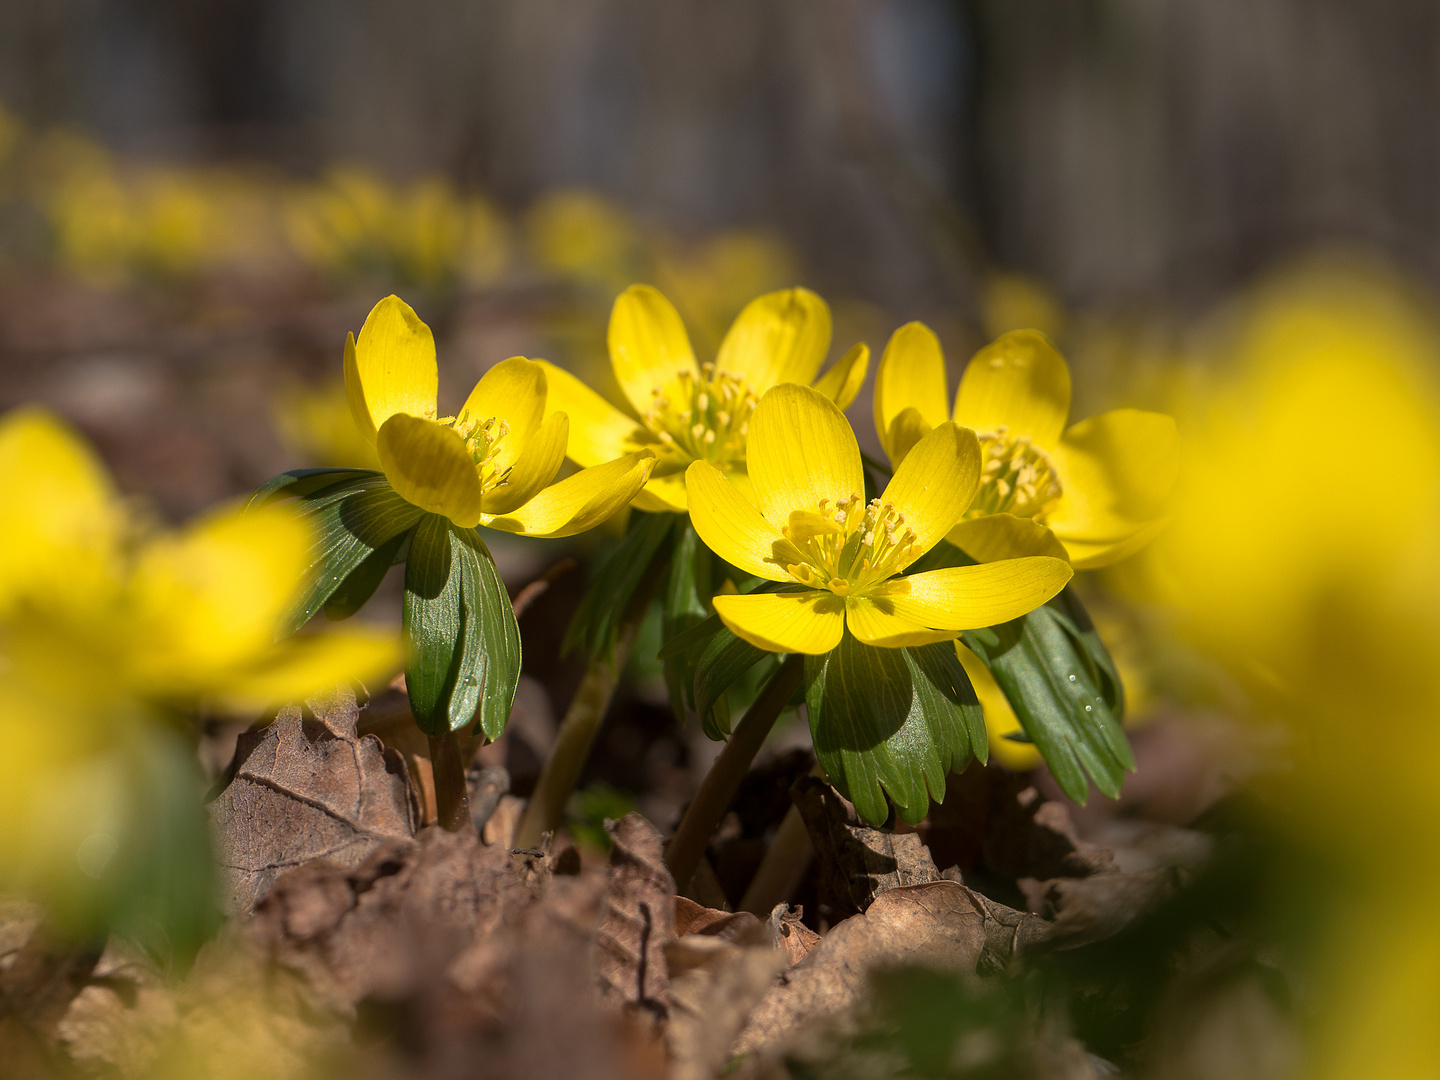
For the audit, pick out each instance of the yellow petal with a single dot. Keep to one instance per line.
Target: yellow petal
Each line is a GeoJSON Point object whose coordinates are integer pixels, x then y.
{"type": "Point", "coordinates": [512, 391]}
{"type": "Point", "coordinates": [663, 495]}
{"type": "Point", "coordinates": [875, 622]}
{"type": "Point", "coordinates": [1116, 471]}
{"type": "Point", "coordinates": [1000, 718]}
{"type": "Point", "coordinates": [393, 369]}
{"type": "Point", "coordinates": [791, 622]}
{"type": "Point", "coordinates": [732, 528]}
{"type": "Point", "coordinates": [1005, 536]}
{"type": "Point", "coordinates": [599, 432]}
{"type": "Point", "coordinates": [210, 598]}
{"type": "Point", "coordinates": [906, 430]}
{"type": "Point", "coordinates": [801, 450]}
{"type": "Point", "coordinates": [845, 377]}
{"type": "Point", "coordinates": [582, 501]}
{"type": "Point", "coordinates": [911, 376]}
{"type": "Point", "coordinates": [969, 597]}
{"type": "Point", "coordinates": [933, 486]}
{"type": "Point", "coordinates": [427, 464]}
{"type": "Point", "coordinates": [59, 516]}
{"type": "Point", "coordinates": [779, 337]}
{"type": "Point", "coordinates": [1094, 555]}
{"type": "Point", "coordinates": [648, 346]}
{"type": "Point", "coordinates": [1017, 381]}
{"type": "Point", "coordinates": [541, 459]}
{"type": "Point", "coordinates": [311, 664]}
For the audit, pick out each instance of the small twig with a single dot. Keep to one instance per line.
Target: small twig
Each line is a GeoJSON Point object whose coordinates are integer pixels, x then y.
{"type": "Point", "coordinates": [721, 783]}
{"type": "Point", "coordinates": [533, 591]}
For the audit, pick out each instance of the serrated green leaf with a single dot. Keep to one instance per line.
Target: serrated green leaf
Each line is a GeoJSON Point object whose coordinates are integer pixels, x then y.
{"type": "Point", "coordinates": [1107, 676]}
{"type": "Point", "coordinates": [301, 482]}
{"type": "Point", "coordinates": [350, 521]}
{"type": "Point", "coordinates": [892, 722]}
{"type": "Point", "coordinates": [462, 643]}
{"type": "Point", "coordinates": [686, 605]}
{"type": "Point", "coordinates": [1050, 678]}
{"type": "Point", "coordinates": [636, 561]}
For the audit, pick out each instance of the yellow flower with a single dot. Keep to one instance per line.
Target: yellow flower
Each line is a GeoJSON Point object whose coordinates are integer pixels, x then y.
{"type": "Point", "coordinates": [814, 530]}
{"type": "Point", "coordinates": [493, 463]}
{"type": "Point", "coordinates": [1099, 485]}
{"type": "Point", "coordinates": [691, 412]}
{"type": "Point", "coordinates": [104, 631]}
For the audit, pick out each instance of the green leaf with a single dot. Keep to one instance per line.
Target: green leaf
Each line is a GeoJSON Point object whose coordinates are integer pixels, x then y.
{"type": "Point", "coordinates": [723, 661]}
{"type": "Point", "coordinates": [462, 643]}
{"type": "Point", "coordinates": [300, 482]}
{"type": "Point", "coordinates": [351, 520]}
{"type": "Point", "coordinates": [892, 722]}
{"type": "Point", "coordinates": [490, 616]}
{"type": "Point", "coordinates": [1066, 701]}
{"type": "Point", "coordinates": [636, 561]}
{"type": "Point", "coordinates": [691, 640]}
{"type": "Point", "coordinates": [686, 605]}
{"type": "Point", "coordinates": [360, 584]}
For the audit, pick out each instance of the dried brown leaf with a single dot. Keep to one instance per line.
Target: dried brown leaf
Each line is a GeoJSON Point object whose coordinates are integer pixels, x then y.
{"type": "Point", "coordinates": [307, 787]}
{"type": "Point", "coordinates": [934, 925]}
{"type": "Point", "coordinates": [637, 920]}
{"type": "Point", "coordinates": [858, 863]}
{"type": "Point", "coordinates": [714, 984]}
{"type": "Point", "coordinates": [790, 935]}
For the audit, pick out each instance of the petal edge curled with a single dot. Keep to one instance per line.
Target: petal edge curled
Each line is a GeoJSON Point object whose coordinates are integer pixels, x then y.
{"type": "Point", "coordinates": [580, 502]}
{"type": "Point", "coordinates": [780, 337]}
{"type": "Point", "coordinates": [427, 464]}
{"type": "Point", "coordinates": [935, 483]}
{"type": "Point", "coordinates": [911, 376]}
{"type": "Point", "coordinates": [394, 365]}
{"type": "Point", "coordinates": [648, 345]}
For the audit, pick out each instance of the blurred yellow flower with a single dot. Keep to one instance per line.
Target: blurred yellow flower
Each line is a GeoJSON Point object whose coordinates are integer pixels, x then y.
{"type": "Point", "coordinates": [713, 280]}
{"type": "Point", "coordinates": [104, 631]}
{"type": "Point", "coordinates": [494, 463]}
{"type": "Point", "coordinates": [690, 412]}
{"type": "Point", "coordinates": [579, 234]}
{"type": "Point", "coordinates": [316, 426]}
{"type": "Point", "coordinates": [356, 223]}
{"type": "Point", "coordinates": [1099, 485]}
{"type": "Point", "coordinates": [814, 530]}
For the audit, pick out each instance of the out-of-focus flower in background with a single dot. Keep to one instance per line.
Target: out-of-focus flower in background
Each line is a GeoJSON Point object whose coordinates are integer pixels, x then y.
{"type": "Point", "coordinates": [107, 633]}
{"type": "Point", "coordinates": [1305, 550]}
{"type": "Point", "coordinates": [355, 223]}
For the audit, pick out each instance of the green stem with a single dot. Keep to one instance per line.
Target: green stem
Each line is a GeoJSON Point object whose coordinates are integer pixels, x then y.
{"type": "Point", "coordinates": [452, 797]}
{"type": "Point", "coordinates": [721, 783]}
{"type": "Point", "coordinates": [546, 807]}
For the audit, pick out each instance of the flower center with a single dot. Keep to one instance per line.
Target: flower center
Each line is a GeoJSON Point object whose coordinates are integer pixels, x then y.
{"type": "Point", "coordinates": [1018, 477]}
{"type": "Point", "coordinates": [707, 420]}
{"type": "Point", "coordinates": [850, 546]}
{"type": "Point", "coordinates": [482, 440]}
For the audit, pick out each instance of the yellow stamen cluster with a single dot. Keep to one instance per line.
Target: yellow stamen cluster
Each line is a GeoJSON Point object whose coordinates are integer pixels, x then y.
{"type": "Point", "coordinates": [482, 440]}
{"type": "Point", "coordinates": [850, 546]}
{"type": "Point", "coordinates": [708, 420]}
{"type": "Point", "coordinates": [1018, 477]}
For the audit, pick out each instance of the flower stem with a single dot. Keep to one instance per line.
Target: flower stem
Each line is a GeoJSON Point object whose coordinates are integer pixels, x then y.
{"type": "Point", "coordinates": [721, 783]}
{"type": "Point", "coordinates": [567, 758]}
{"type": "Point", "coordinates": [452, 798]}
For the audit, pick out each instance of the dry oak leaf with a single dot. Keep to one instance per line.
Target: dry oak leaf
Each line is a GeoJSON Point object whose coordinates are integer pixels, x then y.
{"type": "Point", "coordinates": [934, 925]}
{"type": "Point", "coordinates": [307, 787]}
